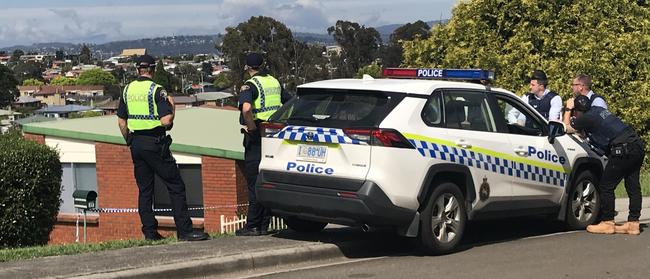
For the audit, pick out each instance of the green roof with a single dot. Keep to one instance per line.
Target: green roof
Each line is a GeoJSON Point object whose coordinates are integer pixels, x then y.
{"type": "Point", "coordinates": [200, 131]}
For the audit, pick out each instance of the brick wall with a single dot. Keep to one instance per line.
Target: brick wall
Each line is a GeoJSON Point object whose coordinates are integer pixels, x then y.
{"type": "Point", "coordinates": [221, 187]}
{"type": "Point", "coordinates": [37, 138]}
{"type": "Point", "coordinates": [116, 188]}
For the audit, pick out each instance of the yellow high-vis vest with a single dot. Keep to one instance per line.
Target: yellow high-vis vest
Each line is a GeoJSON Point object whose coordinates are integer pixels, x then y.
{"type": "Point", "coordinates": [269, 96]}
{"type": "Point", "coordinates": [139, 97]}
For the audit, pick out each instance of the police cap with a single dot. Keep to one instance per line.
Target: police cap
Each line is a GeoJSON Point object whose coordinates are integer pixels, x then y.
{"type": "Point", "coordinates": [145, 61]}
{"type": "Point", "coordinates": [538, 75]}
{"type": "Point", "coordinates": [582, 103]}
{"type": "Point", "coordinates": [254, 60]}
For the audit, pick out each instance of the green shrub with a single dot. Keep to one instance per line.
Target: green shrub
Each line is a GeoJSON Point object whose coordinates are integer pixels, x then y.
{"type": "Point", "coordinates": [30, 188]}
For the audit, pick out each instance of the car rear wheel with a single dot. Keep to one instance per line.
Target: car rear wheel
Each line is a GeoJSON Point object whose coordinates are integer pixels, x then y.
{"type": "Point", "coordinates": [443, 220]}
{"type": "Point", "coordinates": [584, 203]}
{"type": "Point", "coordinates": [305, 226]}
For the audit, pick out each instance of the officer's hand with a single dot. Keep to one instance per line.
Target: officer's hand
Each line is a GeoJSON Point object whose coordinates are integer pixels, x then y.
{"type": "Point", "coordinates": [569, 103]}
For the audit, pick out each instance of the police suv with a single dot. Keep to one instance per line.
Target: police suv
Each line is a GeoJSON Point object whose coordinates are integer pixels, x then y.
{"type": "Point", "coordinates": [420, 156]}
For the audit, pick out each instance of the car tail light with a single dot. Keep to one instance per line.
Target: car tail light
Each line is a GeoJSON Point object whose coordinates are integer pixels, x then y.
{"type": "Point", "coordinates": [270, 128]}
{"type": "Point", "coordinates": [379, 137]}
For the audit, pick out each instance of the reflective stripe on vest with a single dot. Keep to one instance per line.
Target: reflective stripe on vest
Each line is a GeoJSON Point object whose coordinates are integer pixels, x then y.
{"type": "Point", "coordinates": [269, 96]}
{"type": "Point", "coordinates": [141, 106]}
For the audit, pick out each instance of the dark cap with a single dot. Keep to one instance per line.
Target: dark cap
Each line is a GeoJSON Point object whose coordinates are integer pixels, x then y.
{"type": "Point", "coordinates": [254, 60]}
{"type": "Point", "coordinates": [145, 61]}
{"type": "Point", "coordinates": [582, 103]}
{"type": "Point", "coordinates": [538, 75]}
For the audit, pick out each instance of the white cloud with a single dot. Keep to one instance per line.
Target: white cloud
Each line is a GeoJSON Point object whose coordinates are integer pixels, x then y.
{"type": "Point", "coordinates": [118, 20]}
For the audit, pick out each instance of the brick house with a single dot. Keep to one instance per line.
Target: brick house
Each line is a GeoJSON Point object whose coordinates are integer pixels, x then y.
{"type": "Point", "coordinates": [207, 147]}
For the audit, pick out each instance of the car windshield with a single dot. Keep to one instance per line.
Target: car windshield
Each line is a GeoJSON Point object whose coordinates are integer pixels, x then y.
{"type": "Point", "coordinates": [337, 108]}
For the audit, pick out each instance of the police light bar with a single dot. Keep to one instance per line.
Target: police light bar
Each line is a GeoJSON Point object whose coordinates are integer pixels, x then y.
{"type": "Point", "coordinates": [430, 73]}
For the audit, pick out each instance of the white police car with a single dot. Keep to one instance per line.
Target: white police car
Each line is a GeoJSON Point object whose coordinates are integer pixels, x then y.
{"type": "Point", "coordinates": [422, 156]}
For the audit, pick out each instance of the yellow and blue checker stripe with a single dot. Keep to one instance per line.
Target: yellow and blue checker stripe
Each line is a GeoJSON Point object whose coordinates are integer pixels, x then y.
{"type": "Point", "coordinates": [492, 163]}
{"type": "Point", "coordinates": [321, 135]}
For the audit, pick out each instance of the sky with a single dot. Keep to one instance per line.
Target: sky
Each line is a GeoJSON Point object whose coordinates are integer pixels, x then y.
{"type": "Point", "coordinates": [97, 21]}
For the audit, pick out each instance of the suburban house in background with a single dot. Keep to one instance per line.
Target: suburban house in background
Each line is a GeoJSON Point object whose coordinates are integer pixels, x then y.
{"type": "Point", "coordinates": [52, 95]}
{"type": "Point", "coordinates": [94, 157]}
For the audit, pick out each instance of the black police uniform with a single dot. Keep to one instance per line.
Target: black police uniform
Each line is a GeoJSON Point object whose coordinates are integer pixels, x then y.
{"type": "Point", "coordinates": [151, 155]}
{"type": "Point", "coordinates": [258, 217]}
{"type": "Point", "coordinates": [624, 149]}
{"type": "Point", "coordinates": [543, 106]}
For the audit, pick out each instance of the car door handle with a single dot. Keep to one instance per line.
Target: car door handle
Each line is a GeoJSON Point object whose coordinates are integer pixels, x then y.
{"type": "Point", "coordinates": [463, 144]}
{"type": "Point", "coordinates": [522, 151]}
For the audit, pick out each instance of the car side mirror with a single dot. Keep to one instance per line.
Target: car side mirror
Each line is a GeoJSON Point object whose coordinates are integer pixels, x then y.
{"type": "Point", "coordinates": [555, 129]}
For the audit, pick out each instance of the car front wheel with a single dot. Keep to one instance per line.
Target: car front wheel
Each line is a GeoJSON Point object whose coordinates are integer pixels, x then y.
{"type": "Point", "coordinates": [584, 203]}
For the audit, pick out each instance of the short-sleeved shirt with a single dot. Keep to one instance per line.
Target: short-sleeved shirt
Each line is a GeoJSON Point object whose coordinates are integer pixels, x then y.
{"type": "Point", "coordinates": [164, 108]}
{"type": "Point", "coordinates": [598, 102]}
{"type": "Point", "coordinates": [250, 94]}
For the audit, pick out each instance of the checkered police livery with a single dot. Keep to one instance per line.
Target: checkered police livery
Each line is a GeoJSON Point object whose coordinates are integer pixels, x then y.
{"type": "Point", "coordinates": [422, 157]}
{"type": "Point", "coordinates": [307, 134]}
{"type": "Point", "coordinates": [489, 163]}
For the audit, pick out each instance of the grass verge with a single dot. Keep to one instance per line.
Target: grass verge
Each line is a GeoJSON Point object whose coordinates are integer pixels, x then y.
{"type": "Point", "coordinates": [645, 186]}
{"type": "Point", "coordinates": [16, 254]}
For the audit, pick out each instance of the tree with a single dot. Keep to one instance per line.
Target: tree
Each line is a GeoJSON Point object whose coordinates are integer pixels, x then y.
{"type": "Point", "coordinates": [188, 75]}
{"type": "Point", "coordinates": [162, 77]}
{"type": "Point", "coordinates": [392, 53]}
{"type": "Point", "coordinates": [85, 57]}
{"type": "Point", "coordinates": [222, 81]}
{"type": "Point", "coordinates": [15, 56]}
{"type": "Point", "coordinates": [59, 54]}
{"type": "Point", "coordinates": [32, 82]}
{"type": "Point", "coordinates": [609, 40]}
{"type": "Point", "coordinates": [28, 70]}
{"type": "Point", "coordinates": [62, 80]}
{"type": "Point", "coordinates": [359, 45]}
{"type": "Point", "coordinates": [373, 70]}
{"type": "Point", "coordinates": [259, 34]}
{"type": "Point", "coordinates": [8, 86]}
{"type": "Point", "coordinates": [96, 77]}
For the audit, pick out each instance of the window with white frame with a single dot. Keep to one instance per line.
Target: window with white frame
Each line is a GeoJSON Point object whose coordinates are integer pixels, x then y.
{"type": "Point", "coordinates": [76, 176]}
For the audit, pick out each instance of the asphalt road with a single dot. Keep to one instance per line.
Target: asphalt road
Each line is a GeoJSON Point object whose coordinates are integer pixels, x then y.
{"type": "Point", "coordinates": [515, 248]}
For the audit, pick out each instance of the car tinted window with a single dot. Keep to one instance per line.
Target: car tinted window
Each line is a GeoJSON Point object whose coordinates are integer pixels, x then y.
{"type": "Point", "coordinates": [515, 115]}
{"type": "Point", "coordinates": [337, 108]}
{"type": "Point", "coordinates": [468, 111]}
{"type": "Point", "coordinates": [432, 112]}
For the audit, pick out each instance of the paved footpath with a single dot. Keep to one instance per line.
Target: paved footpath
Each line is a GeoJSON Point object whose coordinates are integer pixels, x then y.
{"type": "Point", "coordinates": [222, 255]}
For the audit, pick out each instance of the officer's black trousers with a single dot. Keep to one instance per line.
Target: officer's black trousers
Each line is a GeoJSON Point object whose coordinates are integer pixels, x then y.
{"type": "Point", "coordinates": [258, 216]}
{"type": "Point", "coordinates": [153, 157]}
{"type": "Point", "coordinates": [618, 168]}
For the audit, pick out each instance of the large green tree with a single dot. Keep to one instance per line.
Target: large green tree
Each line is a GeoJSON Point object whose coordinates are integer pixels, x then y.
{"type": "Point", "coordinates": [392, 52]}
{"type": "Point", "coordinates": [28, 70]}
{"type": "Point", "coordinates": [264, 35]}
{"type": "Point", "coordinates": [162, 77]}
{"type": "Point", "coordinates": [62, 80]}
{"type": "Point", "coordinates": [96, 77]}
{"type": "Point", "coordinates": [609, 40]}
{"type": "Point", "coordinates": [16, 54]}
{"type": "Point", "coordinates": [359, 45]}
{"type": "Point", "coordinates": [8, 86]}
{"type": "Point", "coordinates": [85, 56]}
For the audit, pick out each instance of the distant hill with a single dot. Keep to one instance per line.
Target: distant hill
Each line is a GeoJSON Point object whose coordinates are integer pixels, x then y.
{"type": "Point", "coordinates": [176, 45]}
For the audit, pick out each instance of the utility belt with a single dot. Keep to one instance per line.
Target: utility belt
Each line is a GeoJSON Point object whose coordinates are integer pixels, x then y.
{"type": "Point", "coordinates": [625, 144]}
{"type": "Point", "coordinates": [254, 137]}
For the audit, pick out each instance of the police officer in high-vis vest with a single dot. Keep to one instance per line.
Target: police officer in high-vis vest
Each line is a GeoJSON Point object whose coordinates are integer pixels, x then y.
{"type": "Point", "coordinates": [260, 97]}
{"type": "Point", "coordinates": [624, 149]}
{"type": "Point", "coordinates": [145, 114]}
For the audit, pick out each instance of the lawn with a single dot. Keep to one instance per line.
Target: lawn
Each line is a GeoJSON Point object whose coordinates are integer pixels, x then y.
{"type": "Point", "coordinates": [15, 254]}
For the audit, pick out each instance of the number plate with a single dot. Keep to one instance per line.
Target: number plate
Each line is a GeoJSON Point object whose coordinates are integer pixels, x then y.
{"type": "Point", "coordinates": [312, 153]}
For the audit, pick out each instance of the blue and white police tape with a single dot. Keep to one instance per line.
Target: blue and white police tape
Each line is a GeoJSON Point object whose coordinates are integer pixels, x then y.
{"type": "Point", "coordinates": [131, 210]}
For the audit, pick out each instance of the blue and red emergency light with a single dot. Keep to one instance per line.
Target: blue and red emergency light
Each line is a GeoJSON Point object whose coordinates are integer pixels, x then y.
{"type": "Point", "coordinates": [431, 73]}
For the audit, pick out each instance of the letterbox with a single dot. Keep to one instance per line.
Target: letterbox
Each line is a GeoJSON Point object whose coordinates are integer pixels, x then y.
{"type": "Point", "coordinates": [84, 199]}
